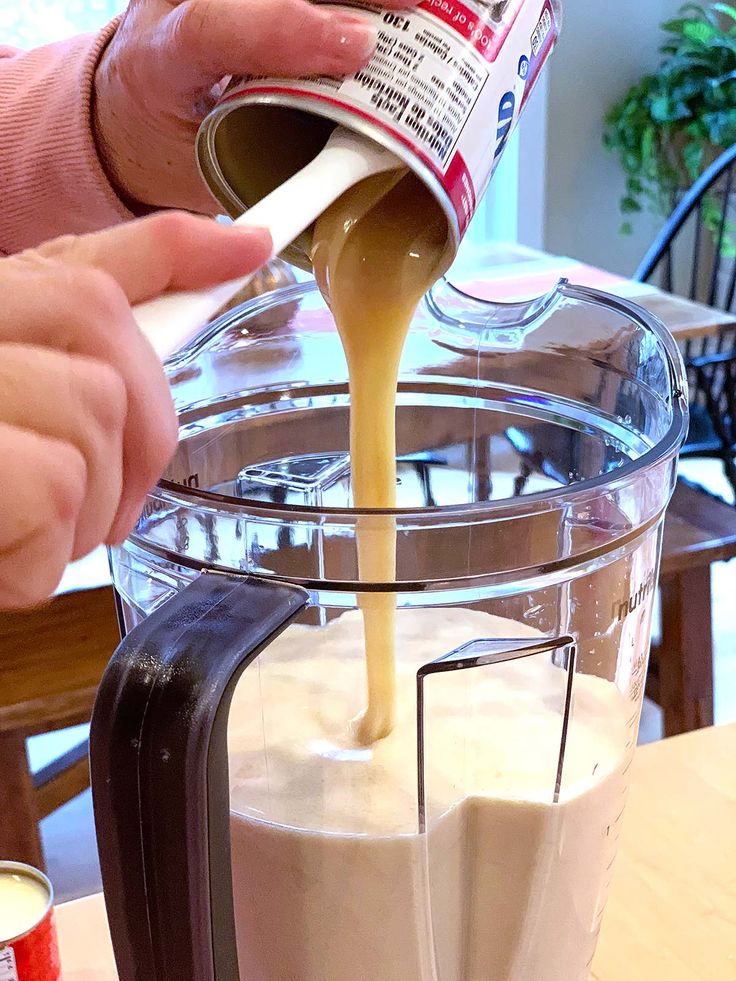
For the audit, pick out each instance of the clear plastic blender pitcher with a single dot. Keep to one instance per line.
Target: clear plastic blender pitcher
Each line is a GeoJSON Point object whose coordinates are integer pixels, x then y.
{"type": "Point", "coordinates": [536, 456]}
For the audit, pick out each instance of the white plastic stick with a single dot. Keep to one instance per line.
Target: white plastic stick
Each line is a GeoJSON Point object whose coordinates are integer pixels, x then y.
{"type": "Point", "coordinates": [171, 321]}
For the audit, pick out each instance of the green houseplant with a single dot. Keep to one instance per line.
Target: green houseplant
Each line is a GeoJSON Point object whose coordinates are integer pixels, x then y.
{"type": "Point", "coordinates": [673, 123]}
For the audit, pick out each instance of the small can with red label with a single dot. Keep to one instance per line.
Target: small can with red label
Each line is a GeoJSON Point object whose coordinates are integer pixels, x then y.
{"type": "Point", "coordinates": [443, 91]}
{"type": "Point", "coordinates": [28, 946]}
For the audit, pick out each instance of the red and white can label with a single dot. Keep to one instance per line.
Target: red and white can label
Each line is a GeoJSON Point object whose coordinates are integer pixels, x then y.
{"type": "Point", "coordinates": [8, 965]}
{"type": "Point", "coordinates": [28, 946]}
{"type": "Point", "coordinates": [447, 81]}
{"type": "Point", "coordinates": [34, 956]}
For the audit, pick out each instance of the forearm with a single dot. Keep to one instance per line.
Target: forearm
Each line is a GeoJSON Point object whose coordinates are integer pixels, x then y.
{"type": "Point", "coordinates": [51, 177]}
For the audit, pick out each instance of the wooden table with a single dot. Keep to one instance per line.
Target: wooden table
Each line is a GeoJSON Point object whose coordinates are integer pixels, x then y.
{"type": "Point", "coordinates": [672, 911]}
{"type": "Point", "coordinates": [51, 661]}
{"type": "Point", "coordinates": [672, 914]}
{"type": "Point", "coordinates": [699, 531]}
{"type": "Point", "coordinates": [509, 272]}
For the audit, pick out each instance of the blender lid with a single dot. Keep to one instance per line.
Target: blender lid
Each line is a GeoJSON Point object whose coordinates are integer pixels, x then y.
{"type": "Point", "coordinates": [459, 323]}
{"type": "Point", "coordinates": [531, 438]}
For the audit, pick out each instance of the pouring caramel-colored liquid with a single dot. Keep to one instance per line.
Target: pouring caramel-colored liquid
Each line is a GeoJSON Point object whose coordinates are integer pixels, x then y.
{"type": "Point", "coordinates": [376, 253]}
{"type": "Point", "coordinates": [331, 879]}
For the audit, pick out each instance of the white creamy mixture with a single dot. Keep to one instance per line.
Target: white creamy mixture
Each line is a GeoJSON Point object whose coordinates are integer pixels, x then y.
{"type": "Point", "coordinates": [332, 880]}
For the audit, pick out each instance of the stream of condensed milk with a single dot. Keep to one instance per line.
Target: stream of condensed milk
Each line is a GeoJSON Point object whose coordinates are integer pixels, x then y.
{"type": "Point", "coordinates": [376, 252]}
{"type": "Point", "coordinates": [332, 879]}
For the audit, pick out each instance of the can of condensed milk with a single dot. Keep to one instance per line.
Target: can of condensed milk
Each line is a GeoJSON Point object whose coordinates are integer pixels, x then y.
{"type": "Point", "coordinates": [443, 91]}
{"type": "Point", "coordinates": [28, 947]}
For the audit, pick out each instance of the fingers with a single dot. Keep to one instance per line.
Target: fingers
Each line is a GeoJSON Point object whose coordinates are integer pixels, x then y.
{"type": "Point", "coordinates": [76, 401]}
{"type": "Point", "coordinates": [87, 284]}
{"type": "Point", "coordinates": [82, 311]}
{"type": "Point", "coordinates": [279, 37]}
{"type": "Point", "coordinates": [87, 425]}
{"type": "Point", "coordinates": [41, 496]}
{"type": "Point", "coordinates": [167, 251]}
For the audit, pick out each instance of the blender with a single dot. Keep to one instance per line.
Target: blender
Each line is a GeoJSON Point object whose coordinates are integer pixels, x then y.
{"type": "Point", "coordinates": [244, 834]}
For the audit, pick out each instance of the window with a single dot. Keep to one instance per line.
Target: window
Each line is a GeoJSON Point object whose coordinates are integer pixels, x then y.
{"type": "Point", "coordinates": [33, 22]}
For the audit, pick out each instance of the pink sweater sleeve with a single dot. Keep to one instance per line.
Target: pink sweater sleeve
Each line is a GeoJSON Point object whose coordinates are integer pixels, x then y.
{"type": "Point", "coordinates": [51, 179]}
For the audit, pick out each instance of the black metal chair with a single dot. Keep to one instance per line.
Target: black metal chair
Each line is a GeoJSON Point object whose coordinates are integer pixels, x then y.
{"type": "Point", "coordinates": [713, 413]}
{"type": "Point", "coordinates": [680, 256]}
{"type": "Point", "coordinates": [693, 260]}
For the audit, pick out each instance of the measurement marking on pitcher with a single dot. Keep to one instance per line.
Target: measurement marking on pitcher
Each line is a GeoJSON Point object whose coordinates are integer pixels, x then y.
{"type": "Point", "coordinates": [622, 609]}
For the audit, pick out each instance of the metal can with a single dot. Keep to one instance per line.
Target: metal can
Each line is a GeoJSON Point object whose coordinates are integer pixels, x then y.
{"type": "Point", "coordinates": [28, 946]}
{"type": "Point", "coordinates": [443, 91]}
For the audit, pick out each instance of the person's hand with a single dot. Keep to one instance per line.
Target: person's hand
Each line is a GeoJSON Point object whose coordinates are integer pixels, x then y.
{"type": "Point", "coordinates": [163, 68]}
{"type": "Point", "coordinates": [87, 424]}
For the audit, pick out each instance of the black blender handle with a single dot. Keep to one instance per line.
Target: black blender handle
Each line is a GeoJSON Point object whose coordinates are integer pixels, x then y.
{"type": "Point", "coordinates": [160, 782]}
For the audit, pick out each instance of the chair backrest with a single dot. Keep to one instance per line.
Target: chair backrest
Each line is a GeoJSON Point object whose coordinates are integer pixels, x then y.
{"type": "Point", "coordinates": [713, 382]}
{"type": "Point", "coordinates": [694, 253]}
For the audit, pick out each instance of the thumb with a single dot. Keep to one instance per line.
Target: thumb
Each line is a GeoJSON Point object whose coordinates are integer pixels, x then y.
{"type": "Point", "coordinates": [167, 251]}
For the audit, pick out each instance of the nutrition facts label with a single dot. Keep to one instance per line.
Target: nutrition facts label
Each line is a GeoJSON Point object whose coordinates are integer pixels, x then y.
{"type": "Point", "coordinates": [423, 77]}
{"type": "Point", "coordinates": [447, 82]}
{"type": "Point", "coordinates": [542, 32]}
{"type": "Point", "coordinates": [7, 965]}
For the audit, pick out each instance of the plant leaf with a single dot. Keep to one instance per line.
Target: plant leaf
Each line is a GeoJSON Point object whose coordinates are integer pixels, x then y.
{"type": "Point", "coordinates": [726, 9]}
{"type": "Point", "coordinates": [630, 206]}
{"type": "Point", "coordinates": [696, 9]}
{"type": "Point", "coordinates": [693, 155]}
{"type": "Point", "coordinates": [668, 126]}
{"type": "Point", "coordinates": [648, 140]}
{"type": "Point", "coordinates": [698, 30]}
{"type": "Point", "coordinates": [660, 109]}
{"type": "Point", "coordinates": [675, 26]}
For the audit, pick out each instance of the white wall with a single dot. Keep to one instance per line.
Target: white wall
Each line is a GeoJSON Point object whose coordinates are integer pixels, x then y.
{"type": "Point", "coordinates": [605, 47]}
